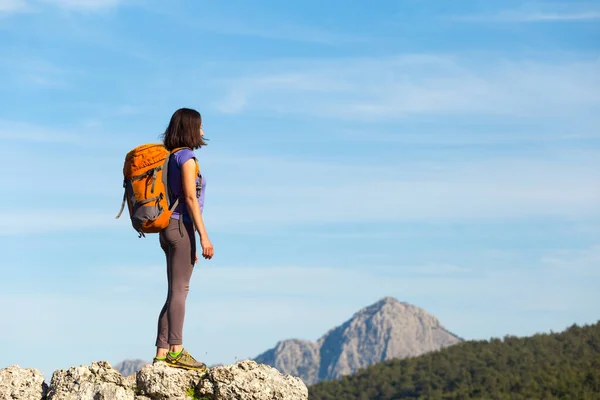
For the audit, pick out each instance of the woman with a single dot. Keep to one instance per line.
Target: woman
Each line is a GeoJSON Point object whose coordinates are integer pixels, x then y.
{"type": "Point", "coordinates": [184, 134]}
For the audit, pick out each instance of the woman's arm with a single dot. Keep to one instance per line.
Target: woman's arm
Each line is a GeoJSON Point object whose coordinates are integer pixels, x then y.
{"type": "Point", "coordinates": [188, 177]}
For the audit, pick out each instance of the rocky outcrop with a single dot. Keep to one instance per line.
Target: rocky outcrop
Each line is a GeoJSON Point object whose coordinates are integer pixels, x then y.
{"type": "Point", "coordinates": [22, 383]}
{"type": "Point", "coordinates": [249, 380]}
{"type": "Point", "coordinates": [245, 380]}
{"type": "Point", "coordinates": [99, 382]}
{"type": "Point", "coordinates": [385, 330]}
{"type": "Point", "coordinates": [162, 382]}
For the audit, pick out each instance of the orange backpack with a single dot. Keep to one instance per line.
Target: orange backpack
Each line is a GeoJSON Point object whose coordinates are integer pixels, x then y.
{"type": "Point", "coordinates": [146, 190]}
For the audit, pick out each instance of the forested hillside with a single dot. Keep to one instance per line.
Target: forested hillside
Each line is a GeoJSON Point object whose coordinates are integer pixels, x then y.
{"type": "Point", "coordinates": [562, 365]}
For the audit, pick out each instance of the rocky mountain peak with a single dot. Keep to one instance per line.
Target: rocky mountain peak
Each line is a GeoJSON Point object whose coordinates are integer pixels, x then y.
{"type": "Point", "coordinates": [392, 307]}
{"type": "Point", "coordinates": [386, 329]}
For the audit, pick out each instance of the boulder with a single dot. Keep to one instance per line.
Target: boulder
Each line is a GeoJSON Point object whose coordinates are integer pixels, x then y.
{"type": "Point", "coordinates": [22, 384]}
{"type": "Point", "coordinates": [100, 381]}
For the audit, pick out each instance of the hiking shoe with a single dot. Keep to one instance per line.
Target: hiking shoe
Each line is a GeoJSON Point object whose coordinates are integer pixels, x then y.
{"type": "Point", "coordinates": [156, 360]}
{"type": "Point", "coordinates": [185, 361]}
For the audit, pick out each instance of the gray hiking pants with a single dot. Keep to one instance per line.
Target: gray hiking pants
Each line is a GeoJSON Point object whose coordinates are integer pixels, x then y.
{"type": "Point", "coordinates": [180, 252]}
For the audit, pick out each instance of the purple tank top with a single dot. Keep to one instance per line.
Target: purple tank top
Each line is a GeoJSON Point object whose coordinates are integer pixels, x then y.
{"type": "Point", "coordinates": [176, 187]}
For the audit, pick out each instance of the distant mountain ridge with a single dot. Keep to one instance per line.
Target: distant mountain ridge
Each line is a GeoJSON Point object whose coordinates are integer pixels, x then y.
{"type": "Point", "coordinates": [129, 367]}
{"type": "Point", "coordinates": [385, 330]}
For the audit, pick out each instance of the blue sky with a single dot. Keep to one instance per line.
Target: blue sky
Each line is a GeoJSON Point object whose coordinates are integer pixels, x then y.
{"type": "Point", "coordinates": [444, 153]}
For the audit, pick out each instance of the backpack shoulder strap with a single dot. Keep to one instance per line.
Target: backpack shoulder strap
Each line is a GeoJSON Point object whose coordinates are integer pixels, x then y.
{"type": "Point", "coordinates": [124, 199]}
{"type": "Point", "coordinates": [166, 178]}
{"type": "Point", "coordinates": [175, 150]}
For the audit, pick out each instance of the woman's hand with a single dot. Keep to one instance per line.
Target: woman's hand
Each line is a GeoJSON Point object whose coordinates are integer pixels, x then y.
{"type": "Point", "coordinates": [207, 248]}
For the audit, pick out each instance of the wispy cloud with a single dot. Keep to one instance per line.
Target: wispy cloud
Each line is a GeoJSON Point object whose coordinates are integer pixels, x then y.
{"type": "Point", "coordinates": [11, 6]}
{"type": "Point", "coordinates": [42, 221]}
{"type": "Point", "coordinates": [83, 5]}
{"type": "Point", "coordinates": [558, 185]}
{"type": "Point", "coordinates": [257, 26]}
{"type": "Point", "coordinates": [582, 262]}
{"type": "Point", "coordinates": [87, 135]}
{"type": "Point", "coordinates": [485, 190]}
{"type": "Point", "coordinates": [492, 189]}
{"type": "Point", "coordinates": [403, 86]}
{"type": "Point", "coordinates": [29, 133]}
{"type": "Point", "coordinates": [534, 17]}
{"type": "Point", "coordinates": [14, 6]}
{"type": "Point", "coordinates": [276, 30]}
{"type": "Point", "coordinates": [451, 137]}
{"type": "Point", "coordinates": [35, 72]}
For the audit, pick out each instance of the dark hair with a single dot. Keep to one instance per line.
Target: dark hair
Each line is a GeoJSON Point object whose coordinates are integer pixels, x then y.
{"type": "Point", "coordinates": [184, 130]}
